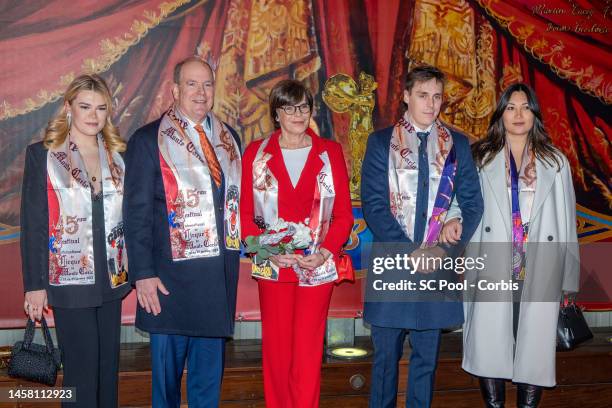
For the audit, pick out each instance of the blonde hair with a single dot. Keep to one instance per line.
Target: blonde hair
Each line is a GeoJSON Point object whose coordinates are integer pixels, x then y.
{"type": "Point", "coordinates": [58, 126]}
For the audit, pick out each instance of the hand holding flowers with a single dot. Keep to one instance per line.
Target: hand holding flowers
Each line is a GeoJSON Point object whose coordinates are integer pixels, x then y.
{"type": "Point", "coordinates": [278, 243]}
{"type": "Point", "coordinates": [313, 261]}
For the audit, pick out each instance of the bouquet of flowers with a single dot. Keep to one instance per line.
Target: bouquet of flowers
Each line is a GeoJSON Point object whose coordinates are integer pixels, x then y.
{"type": "Point", "coordinates": [281, 238]}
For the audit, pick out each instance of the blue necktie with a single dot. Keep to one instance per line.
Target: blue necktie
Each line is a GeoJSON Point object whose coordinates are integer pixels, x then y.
{"type": "Point", "coordinates": [420, 215]}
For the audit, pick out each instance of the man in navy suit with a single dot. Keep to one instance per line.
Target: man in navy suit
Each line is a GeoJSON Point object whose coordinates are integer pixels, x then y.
{"type": "Point", "coordinates": [182, 174]}
{"type": "Point", "coordinates": [411, 172]}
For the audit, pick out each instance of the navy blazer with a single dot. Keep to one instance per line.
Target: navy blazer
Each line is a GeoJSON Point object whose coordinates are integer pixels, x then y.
{"type": "Point", "coordinates": [35, 243]}
{"type": "Point", "coordinates": [385, 229]}
{"type": "Point", "coordinates": [202, 299]}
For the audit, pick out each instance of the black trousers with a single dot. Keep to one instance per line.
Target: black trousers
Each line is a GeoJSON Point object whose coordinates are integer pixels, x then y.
{"type": "Point", "coordinates": [89, 340]}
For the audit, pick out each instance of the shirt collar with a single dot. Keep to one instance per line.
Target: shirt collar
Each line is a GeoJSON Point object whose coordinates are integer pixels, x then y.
{"type": "Point", "coordinates": [418, 129]}
{"type": "Point", "coordinates": [205, 123]}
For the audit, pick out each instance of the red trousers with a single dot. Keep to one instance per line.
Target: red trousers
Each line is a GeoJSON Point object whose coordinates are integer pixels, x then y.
{"type": "Point", "coordinates": [293, 327]}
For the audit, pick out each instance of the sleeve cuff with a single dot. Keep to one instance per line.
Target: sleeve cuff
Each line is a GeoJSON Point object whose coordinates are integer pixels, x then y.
{"type": "Point", "coordinates": [146, 274]}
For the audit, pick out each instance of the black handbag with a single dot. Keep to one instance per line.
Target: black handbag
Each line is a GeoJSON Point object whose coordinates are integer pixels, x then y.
{"type": "Point", "coordinates": [572, 328]}
{"type": "Point", "coordinates": [32, 361]}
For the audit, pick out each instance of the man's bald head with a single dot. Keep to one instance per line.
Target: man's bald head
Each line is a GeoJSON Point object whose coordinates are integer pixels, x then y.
{"type": "Point", "coordinates": [179, 66]}
{"type": "Point", "coordinates": [194, 88]}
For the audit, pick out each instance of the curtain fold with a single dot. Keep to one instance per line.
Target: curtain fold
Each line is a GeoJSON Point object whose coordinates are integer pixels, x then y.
{"type": "Point", "coordinates": [572, 38]}
{"type": "Point", "coordinates": [51, 45]}
{"type": "Point", "coordinates": [577, 122]}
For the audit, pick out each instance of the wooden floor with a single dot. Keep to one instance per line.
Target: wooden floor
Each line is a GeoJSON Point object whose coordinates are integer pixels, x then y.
{"type": "Point", "coordinates": [584, 378]}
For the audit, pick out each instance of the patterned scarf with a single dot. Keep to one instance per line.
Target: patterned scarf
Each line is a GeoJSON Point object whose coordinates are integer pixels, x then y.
{"type": "Point", "coordinates": [71, 252]}
{"type": "Point", "coordinates": [404, 174]}
{"type": "Point", "coordinates": [522, 185]}
{"type": "Point", "coordinates": [265, 195]}
{"type": "Point", "coordinates": [188, 187]}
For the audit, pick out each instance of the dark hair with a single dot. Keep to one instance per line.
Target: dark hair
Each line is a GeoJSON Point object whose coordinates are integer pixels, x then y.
{"type": "Point", "coordinates": [538, 140]}
{"type": "Point", "coordinates": [423, 73]}
{"type": "Point", "coordinates": [288, 92]}
{"type": "Point", "coordinates": [176, 75]}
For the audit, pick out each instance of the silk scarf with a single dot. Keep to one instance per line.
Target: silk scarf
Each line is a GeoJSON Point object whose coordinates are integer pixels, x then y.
{"type": "Point", "coordinates": [522, 183]}
{"type": "Point", "coordinates": [265, 198]}
{"type": "Point", "coordinates": [71, 252]}
{"type": "Point", "coordinates": [404, 175]}
{"type": "Point", "coordinates": [189, 187]}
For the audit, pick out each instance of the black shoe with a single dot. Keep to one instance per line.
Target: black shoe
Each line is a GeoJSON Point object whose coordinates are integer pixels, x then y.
{"type": "Point", "coordinates": [493, 392]}
{"type": "Point", "coordinates": [528, 396]}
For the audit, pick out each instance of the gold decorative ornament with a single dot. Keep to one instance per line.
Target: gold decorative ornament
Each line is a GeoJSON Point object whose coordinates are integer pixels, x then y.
{"type": "Point", "coordinates": [342, 94]}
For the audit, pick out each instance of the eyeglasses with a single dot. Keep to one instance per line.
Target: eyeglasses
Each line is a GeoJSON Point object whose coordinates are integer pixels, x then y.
{"type": "Point", "coordinates": [291, 110]}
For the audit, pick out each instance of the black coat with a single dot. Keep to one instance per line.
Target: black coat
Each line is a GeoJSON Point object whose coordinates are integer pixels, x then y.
{"type": "Point", "coordinates": [202, 299]}
{"type": "Point", "coordinates": [35, 242]}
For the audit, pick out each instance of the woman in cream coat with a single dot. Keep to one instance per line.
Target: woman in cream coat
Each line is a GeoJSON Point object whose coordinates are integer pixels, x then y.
{"type": "Point", "coordinates": [516, 340]}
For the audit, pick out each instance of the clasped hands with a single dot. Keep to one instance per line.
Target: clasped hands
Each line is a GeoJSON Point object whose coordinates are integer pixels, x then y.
{"type": "Point", "coordinates": [308, 262]}
{"type": "Point", "coordinates": [450, 235]}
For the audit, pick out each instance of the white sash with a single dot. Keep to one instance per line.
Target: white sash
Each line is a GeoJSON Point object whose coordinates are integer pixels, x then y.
{"type": "Point", "coordinates": [189, 188]}
{"type": "Point", "coordinates": [265, 198]}
{"type": "Point", "coordinates": [404, 171]}
{"type": "Point", "coordinates": [71, 254]}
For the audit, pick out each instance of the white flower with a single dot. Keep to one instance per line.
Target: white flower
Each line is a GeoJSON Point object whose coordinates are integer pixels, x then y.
{"type": "Point", "coordinates": [279, 225]}
{"type": "Point", "coordinates": [301, 237]}
{"type": "Point", "coordinates": [273, 239]}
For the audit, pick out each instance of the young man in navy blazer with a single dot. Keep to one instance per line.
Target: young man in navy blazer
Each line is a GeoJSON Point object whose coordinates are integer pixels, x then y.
{"type": "Point", "coordinates": [184, 259]}
{"type": "Point", "coordinates": [401, 175]}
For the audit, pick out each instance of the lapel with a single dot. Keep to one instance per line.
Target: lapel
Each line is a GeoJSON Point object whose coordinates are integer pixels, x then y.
{"type": "Point", "coordinates": [313, 165]}
{"type": "Point", "coordinates": [545, 178]}
{"type": "Point", "coordinates": [495, 173]}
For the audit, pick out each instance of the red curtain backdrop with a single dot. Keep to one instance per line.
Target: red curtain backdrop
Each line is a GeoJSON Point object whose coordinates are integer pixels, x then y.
{"type": "Point", "coordinates": [571, 38]}
{"type": "Point", "coordinates": [55, 40]}
{"type": "Point", "coordinates": [572, 76]}
{"type": "Point", "coordinates": [134, 44]}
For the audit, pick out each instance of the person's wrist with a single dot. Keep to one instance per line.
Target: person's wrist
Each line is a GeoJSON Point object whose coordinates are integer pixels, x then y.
{"type": "Point", "coordinates": [444, 248]}
{"type": "Point", "coordinates": [325, 253]}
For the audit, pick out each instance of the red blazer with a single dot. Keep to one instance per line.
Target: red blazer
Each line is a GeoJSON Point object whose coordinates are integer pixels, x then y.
{"type": "Point", "coordinates": [295, 204]}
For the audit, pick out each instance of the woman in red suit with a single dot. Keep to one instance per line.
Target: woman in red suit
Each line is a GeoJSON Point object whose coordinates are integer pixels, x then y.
{"type": "Point", "coordinates": [297, 176]}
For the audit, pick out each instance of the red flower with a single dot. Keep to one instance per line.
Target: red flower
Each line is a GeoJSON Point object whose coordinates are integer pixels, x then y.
{"type": "Point", "coordinates": [287, 239]}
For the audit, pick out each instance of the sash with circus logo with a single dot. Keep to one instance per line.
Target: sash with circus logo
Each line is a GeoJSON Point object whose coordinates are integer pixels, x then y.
{"type": "Point", "coordinates": [404, 174]}
{"type": "Point", "coordinates": [189, 187]}
{"type": "Point", "coordinates": [265, 197]}
{"type": "Point", "coordinates": [71, 253]}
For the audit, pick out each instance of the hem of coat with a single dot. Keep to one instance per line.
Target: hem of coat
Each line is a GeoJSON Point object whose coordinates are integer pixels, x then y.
{"type": "Point", "coordinates": [65, 302]}
{"type": "Point", "coordinates": [479, 373]}
{"type": "Point", "coordinates": [516, 380]}
{"type": "Point", "coordinates": [182, 332]}
{"type": "Point", "coordinates": [413, 325]}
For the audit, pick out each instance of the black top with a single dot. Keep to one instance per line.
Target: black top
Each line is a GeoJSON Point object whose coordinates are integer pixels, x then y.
{"type": "Point", "coordinates": [35, 238]}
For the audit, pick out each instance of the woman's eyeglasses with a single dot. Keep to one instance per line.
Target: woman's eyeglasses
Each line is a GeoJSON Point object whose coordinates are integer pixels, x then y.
{"type": "Point", "coordinates": [291, 109]}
